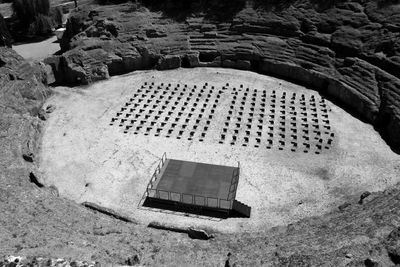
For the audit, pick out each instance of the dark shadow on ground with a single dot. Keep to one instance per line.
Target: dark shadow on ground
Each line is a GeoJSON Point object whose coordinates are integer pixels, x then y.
{"type": "Point", "coordinates": [190, 209]}
{"type": "Point", "coordinates": [31, 39]}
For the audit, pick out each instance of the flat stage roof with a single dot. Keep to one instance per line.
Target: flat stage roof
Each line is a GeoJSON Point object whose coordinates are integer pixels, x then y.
{"type": "Point", "coordinates": [193, 178]}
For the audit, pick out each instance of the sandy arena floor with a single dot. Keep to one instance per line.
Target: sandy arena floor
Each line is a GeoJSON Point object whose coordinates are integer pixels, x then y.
{"type": "Point", "coordinates": [299, 155]}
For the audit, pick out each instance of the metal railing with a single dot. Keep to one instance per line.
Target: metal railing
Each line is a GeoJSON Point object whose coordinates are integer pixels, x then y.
{"type": "Point", "coordinates": [154, 177]}
{"type": "Point", "coordinates": [189, 198]}
{"type": "Point", "coordinates": [234, 183]}
{"type": "Point", "coordinates": [163, 158]}
{"type": "Point", "coordinates": [157, 171]}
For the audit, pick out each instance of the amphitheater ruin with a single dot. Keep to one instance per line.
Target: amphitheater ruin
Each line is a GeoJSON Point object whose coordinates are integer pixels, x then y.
{"type": "Point", "coordinates": [299, 154]}
{"type": "Point", "coordinates": [200, 133]}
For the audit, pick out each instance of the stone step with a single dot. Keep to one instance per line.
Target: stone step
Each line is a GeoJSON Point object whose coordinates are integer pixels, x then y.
{"type": "Point", "coordinates": [241, 209]}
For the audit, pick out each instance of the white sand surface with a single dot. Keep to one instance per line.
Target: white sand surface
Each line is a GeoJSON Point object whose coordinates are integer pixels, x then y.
{"type": "Point", "coordinates": [88, 159]}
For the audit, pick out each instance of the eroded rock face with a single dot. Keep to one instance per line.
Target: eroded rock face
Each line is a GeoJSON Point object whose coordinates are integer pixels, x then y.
{"type": "Point", "coordinates": [21, 83]}
{"type": "Point", "coordinates": [22, 93]}
{"type": "Point", "coordinates": [169, 62]}
{"type": "Point", "coordinates": [350, 51]}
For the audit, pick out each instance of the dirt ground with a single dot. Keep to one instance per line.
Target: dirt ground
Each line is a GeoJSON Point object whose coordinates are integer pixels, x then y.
{"type": "Point", "coordinates": [88, 159]}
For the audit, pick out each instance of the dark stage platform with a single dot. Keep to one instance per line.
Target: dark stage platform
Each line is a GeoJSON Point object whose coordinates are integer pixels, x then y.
{"type": "Point", "coordinates": [193, 187]}
{"type": "Point", "coordinates": [196, 178]}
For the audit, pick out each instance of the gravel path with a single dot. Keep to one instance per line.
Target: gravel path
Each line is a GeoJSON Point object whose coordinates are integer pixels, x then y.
{"type": "Point", "coordinates": [39, 50]}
